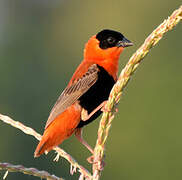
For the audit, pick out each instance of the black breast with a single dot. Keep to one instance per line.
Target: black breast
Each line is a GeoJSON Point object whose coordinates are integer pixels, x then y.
{"type": "Point", "coordinates": [98, 93]}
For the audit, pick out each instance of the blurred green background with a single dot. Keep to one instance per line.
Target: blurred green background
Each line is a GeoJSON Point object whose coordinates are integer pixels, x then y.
{"type": "Point", "coordinates": [41, 44]}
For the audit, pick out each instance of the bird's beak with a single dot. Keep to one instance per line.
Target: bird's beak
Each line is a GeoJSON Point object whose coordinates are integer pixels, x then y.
{"type": "Point", "coordinates": [124, 43]}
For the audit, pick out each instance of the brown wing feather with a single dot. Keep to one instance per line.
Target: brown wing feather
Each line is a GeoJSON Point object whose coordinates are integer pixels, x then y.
{"type": "Point", "coordinates": [72, 93]}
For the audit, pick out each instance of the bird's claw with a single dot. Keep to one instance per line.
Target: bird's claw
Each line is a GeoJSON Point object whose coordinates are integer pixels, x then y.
{"type": "Point", "coordinates": [100, 164]}
{"type": "Point", "coordinates": [91, 159]}
{"type": "Point", "coordinates": [105, 109]}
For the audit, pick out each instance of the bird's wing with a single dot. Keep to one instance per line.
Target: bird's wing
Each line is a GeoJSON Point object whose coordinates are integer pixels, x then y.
{"type": "Point", "coordinates": [73, 92]}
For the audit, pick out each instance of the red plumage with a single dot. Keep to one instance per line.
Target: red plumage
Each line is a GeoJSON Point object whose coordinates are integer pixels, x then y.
{"type": "Point", "coordinates": [81, 101]}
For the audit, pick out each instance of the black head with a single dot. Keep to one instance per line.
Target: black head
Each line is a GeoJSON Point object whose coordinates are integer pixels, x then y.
{"type": "Point", "coordinates": [109, 38]}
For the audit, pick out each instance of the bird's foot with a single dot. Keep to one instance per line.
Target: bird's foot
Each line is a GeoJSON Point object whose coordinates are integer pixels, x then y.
{"type": "Point", "coordinates": [106, 109]}
{"type": "Point", "coordinates": [99, 163]}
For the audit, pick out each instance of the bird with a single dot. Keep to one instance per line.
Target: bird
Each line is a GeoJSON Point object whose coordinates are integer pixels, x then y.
{"type": "Point", "coordinates": [86, 94]}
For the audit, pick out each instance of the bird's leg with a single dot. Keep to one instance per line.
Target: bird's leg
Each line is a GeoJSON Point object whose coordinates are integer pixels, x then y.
{"type": "Point", "coordinates": [78, 134]}
{"type": "Point", "coordinates": [84, 114]}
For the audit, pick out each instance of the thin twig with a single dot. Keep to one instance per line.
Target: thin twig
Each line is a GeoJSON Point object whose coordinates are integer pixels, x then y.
{"type": "Point", "coordinates": [123, 79]}
{"type": "Point", "coordinates": [61, 152]}
{"type": "Point", "coordinates": [29, 171]}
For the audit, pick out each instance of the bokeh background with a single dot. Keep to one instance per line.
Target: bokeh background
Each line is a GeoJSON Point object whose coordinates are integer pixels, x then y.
{"type": "Point", "coordinates": [41, 44]}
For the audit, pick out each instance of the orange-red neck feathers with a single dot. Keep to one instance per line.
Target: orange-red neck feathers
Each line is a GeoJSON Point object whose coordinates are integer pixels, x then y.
{"type": "Point", "coordinates": [107, 58]}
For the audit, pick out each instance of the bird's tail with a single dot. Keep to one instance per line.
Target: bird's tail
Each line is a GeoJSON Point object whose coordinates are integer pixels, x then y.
{"type": "Point", "coordinates": [43, 146]}
{"type": "Point", "coordinates": [62, 127]}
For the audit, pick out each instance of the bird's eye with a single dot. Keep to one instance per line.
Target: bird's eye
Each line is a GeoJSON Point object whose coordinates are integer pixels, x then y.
{"type": "Point", "coordinates": [111, 40]}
